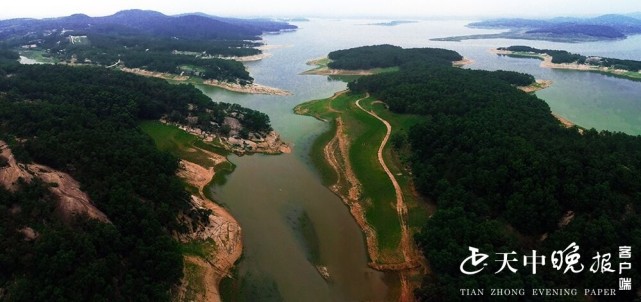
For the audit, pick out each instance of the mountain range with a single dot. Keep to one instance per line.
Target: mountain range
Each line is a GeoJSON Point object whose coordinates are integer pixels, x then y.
{"type": "Point", "coordinates": [611, 26]}
{"type": "Point", "coordinates": [188, 26]}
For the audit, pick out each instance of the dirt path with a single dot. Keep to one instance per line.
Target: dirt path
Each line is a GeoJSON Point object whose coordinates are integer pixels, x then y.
{"type": "Point", "coordinates": [406, 241]}
{"type": "Point", "coordinates": [335, 153]}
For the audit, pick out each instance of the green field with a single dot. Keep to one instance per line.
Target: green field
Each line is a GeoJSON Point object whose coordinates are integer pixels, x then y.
{"type": "Point", "coordinates": [322, 65]}
{"type": "Point", "coordinates": [188, 147]}
{"type": "Point", "coordinates": [365, 134]}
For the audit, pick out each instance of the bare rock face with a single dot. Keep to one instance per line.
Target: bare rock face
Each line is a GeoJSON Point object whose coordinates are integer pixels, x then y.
{"type": "Point", "coordinates": [224, 231]}
{"type": "Point", "coordinates": [11, 171]}
{"type": "Point", "coordinates": [269, 144]}
{"type": "Point", "coordinates": [71, 200]}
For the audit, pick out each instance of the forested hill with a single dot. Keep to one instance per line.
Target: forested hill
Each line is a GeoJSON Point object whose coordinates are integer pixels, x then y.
{"type": "Point", "coordinates": [84, 121]}
{"type": "Point", "coordinates": [507, 176]}
{"type": "Point", "coordinates": [382, 56]}
{"type": "Point", "coordinates": [187, 44]}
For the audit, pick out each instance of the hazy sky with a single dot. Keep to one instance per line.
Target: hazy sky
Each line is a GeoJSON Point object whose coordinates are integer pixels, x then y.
{"type": "Point", "coordinates": [327, 8]}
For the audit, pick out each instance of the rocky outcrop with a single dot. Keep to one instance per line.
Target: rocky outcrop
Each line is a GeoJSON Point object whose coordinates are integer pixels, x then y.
{"type": "Point", "coordinates": [71, 200]}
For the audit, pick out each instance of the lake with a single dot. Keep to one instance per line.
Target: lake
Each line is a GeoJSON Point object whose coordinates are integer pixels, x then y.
{"type": "Point", "coordinates": [269, 194]}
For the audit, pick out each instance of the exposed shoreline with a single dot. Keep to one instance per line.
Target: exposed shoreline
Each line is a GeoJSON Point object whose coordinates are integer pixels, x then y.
{"type": "Point", "coordinates": [270, 144]}
{"type": "Point", "coordinates": [322, 69]}
{"type": "Point", "coordinates": [222, 228]}
{"type": "Point", "coordinates": [547, 63]}
{"type": "Point", "coordinates": [335, 154]}
{"type": "Point", "coordinates": [462, 62]}
{"type": "Point", "coordinates": [250, 88]}
{"type": "Point", "coordinates": [536, 86]}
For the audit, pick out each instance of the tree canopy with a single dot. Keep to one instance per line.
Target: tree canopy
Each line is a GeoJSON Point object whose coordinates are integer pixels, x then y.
{"type": "Point", "coordinates": [381, 56]}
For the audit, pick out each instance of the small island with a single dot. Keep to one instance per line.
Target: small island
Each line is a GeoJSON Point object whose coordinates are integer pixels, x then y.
{"type": "Point", "coordinates": [561, 59]}
{"type": "Point", "coordinates": [393, 23]}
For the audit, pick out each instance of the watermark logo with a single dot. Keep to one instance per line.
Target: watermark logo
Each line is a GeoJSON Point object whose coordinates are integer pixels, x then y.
{"type": "Point", "coordinates": [567, 261]}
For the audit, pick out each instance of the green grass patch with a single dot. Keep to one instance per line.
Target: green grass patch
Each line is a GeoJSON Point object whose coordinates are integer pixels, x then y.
{"type": "Point", "coordinates": [201, 248]}
{"type": "Point", "coordinates": [38, 55]}
{"type": "Point", "coordinates": [179, 143]}
{"type": "Point", "coordinates": [396, 160]}
{"type": "Point", "coordinates": [194, 278]}
{"type": "Point", "coordinates": [191, 68]}
{"type": "Point", "coordinates": [366, 133]}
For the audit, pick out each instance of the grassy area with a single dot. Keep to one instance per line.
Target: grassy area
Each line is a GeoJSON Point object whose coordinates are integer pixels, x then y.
{"type": "Point", "coordinates": [180, 143]}
{"type": "Point", "coordinates": [201, 248]}
{"type": "Point", "coordinates": [194, 278]}
{"type": "Point", "coordinates": [322, 65]}
{"type": "Point", "coordinates": [365, 134]}
{"type": "Point", "coordinates": [38, 55]}
{"type": "Point", "coordinates": [418, 209]}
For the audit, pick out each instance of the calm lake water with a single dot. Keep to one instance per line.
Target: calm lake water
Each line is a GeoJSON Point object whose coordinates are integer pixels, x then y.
{"type": "Point", "coordinates": [268, 194]}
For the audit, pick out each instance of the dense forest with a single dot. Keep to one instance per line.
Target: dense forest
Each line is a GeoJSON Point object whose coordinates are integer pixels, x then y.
{"type": "Point", "coordinates": [188, 44]}
{"type": "Point", "coordinates": [506, 176]}
{"type": "Point", "coordinates": [84, 121]}
{"type": "Point", "coordinates": [381, 56]}
{"type": "Point", "coordinates": [562, 56]}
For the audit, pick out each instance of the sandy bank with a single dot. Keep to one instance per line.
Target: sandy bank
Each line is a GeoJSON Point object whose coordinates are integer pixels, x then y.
{"type": "Point", "coordinates": [463, 62]}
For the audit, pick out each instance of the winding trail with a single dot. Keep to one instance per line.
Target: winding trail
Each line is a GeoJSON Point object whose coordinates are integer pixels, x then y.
{"type": "Point", "coordinates": [401, 208]}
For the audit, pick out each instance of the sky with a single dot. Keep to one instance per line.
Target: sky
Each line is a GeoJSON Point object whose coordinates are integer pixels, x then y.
{"type": "Point", "coordinates": [327, 8]}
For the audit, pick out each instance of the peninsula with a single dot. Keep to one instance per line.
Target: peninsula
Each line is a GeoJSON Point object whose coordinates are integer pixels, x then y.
{"type": "Point", "coordinates": [561, 59]}
{"type": "Point", "coordinates": [479, 152]}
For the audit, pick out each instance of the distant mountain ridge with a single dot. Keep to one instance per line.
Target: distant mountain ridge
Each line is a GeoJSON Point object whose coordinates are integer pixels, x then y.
{"type": "Point", "coordinates": [151, 22]}
{"type": "Point", "coordinates": [610, 25]}
{"type": "Point", "coordinates": [559, 29]}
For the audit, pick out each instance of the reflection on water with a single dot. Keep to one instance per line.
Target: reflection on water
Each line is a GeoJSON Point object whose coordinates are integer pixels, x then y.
{"type": "Point", "coordinates": [269, 194]}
